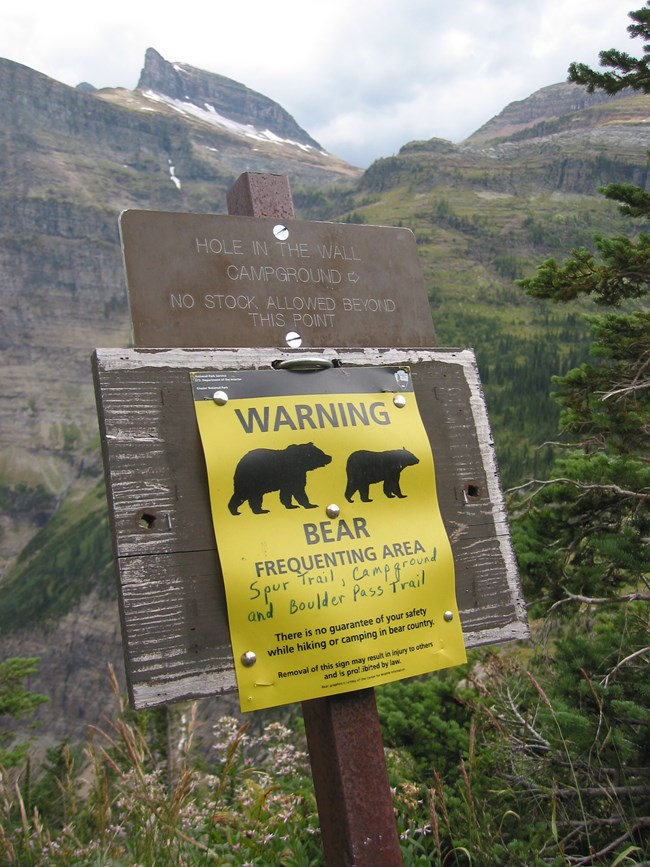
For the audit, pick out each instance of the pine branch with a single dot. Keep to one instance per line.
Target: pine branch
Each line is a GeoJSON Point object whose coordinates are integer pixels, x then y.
{"type": "Point", "coordinates": [583, 486]}
{"type": "Point", "coordinates": [611, 821]}
{"type": "Point", "coordinates": [643, 822]}
{"type": "Point", "coordinates": [636, 383]}
{"type": "Point", "coordinates": [599, 791]}
{"type": "Point", "coordinates": [601, 600]}
{"type": "Point", "coordinates": [591, 791]}
{"type": "Point", "coordinates": [623, 662]}
{"type": "Point", "coordinates": [636, 386]}
{"type": "Point", "coordinates": [540, 740]}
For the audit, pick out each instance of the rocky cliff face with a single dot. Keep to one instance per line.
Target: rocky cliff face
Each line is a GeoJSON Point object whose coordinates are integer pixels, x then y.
{"type": "Point", "coordinates": [555, 107]}
{"type": "Point", "coordinates": [75, 653]}
{"type": "Point", "coordinates": [560, 139]}
{"type": "Point", "coordinates": [71, 159]}
{"type": "Point", "coordinates": [229, 99]}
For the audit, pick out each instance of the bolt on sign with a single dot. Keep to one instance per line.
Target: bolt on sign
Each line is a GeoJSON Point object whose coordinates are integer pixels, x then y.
{"type": "Point", "coordinates": [212, 280]}
{"type": "Point", "coordinates": [337, 567]}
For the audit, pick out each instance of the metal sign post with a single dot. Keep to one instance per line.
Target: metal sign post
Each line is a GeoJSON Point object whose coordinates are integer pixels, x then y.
{"type": "Point", "coordinates": [346, 749]}
{"type": "Point", "coordinates": [171, 592]}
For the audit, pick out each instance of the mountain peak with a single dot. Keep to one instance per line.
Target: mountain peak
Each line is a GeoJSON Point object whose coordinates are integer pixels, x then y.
{"type": "Point", "coordinates": [220, 98]}
{"type": "Point", "coordinates": [549, 104]}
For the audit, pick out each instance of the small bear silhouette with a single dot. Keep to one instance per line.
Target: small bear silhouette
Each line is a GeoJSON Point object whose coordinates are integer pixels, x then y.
{"type": "Point", "coordinates": [366, 468]}
{"type": "Point", "coordinates": [284, 470]}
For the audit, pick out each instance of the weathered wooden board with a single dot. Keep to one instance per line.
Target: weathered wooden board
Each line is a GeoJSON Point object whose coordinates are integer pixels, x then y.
{"type": "Point", "coordinates": [172, 600]}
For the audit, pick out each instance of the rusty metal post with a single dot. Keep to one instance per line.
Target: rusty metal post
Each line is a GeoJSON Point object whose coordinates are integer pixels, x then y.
{"type": "Point", "coordinates": [343, 734]}
{"type": "Point", "coordinates": [256, 195]}
{"type": "Point", "coordinates": [351, 781]}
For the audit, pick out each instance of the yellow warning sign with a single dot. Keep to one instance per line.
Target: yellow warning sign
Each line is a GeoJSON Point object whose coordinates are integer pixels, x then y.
{"type": "Point", "coordinates": [337, 567]}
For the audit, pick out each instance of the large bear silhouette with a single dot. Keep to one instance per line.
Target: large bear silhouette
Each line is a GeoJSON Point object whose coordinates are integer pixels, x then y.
{"type": "Point", "coordinates": [285, 470]}
{"type": "Point", "coordinates": [366, 468]}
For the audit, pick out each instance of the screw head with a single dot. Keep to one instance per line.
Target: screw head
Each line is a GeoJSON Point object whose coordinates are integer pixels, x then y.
{"type": "Point", "coordinates": [293, 339]}
{"type": "Point", "coordinates": [400, 401]}
{"type": "Point", "coordinates": [220, 398]}
{"type": "Point", "coordinates": [448, 616]}
{"type": "Point", "coordinates": [333, 511]}
{"type": "Point", "coordinates": [248, 659]}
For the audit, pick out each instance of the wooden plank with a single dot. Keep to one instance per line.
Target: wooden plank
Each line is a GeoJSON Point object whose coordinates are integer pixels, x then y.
{"type": "Point", "coordinates": [170, 584]}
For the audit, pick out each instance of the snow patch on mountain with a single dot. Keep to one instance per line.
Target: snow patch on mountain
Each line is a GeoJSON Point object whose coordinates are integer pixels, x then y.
{"type": "Point", "coordinates": [208, 114]}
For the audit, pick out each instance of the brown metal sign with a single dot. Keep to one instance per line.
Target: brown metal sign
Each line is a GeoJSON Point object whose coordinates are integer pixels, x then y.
{"type": "Point", "coordinates": [208, 280]}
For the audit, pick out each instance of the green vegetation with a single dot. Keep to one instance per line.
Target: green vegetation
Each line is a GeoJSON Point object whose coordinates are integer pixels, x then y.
{"type": "Point", "coordinates": [625, 70]}
{"type": "Point", "coordinates": [516, 765]}
{"type": "Point", "coordinates": [17, 702]}
{"type": "Point", "coordinates": [69, 556]}
{"type": "Point", "coordinates": [251, 803]}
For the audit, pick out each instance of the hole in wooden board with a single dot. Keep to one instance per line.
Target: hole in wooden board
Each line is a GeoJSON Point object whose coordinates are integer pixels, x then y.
{"type": "Point", "coordinates": [146, 518]}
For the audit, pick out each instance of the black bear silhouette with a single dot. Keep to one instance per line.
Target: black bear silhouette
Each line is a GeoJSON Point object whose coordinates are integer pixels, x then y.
{"type": "Point", "coordinates": [285, 470]}
{"type": "Point", "coordinates": [366, 468]}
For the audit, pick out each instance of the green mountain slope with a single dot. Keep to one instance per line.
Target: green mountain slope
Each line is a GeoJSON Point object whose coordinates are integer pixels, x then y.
{"type": "Point", "coordinates": [489, 211]}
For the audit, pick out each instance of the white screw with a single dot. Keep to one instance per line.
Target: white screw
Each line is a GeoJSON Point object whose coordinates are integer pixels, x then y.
{"type": "Point", "coordinates": [293, 339]}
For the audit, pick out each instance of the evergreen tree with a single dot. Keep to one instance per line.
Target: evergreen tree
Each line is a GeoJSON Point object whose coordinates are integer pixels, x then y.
{"type": "Point", "coordinates": [587, 532]}
{"type": "Point", "coordinates": [17, 702]}
{"type": "Point", "coordinates": [582, 535]}
{"type": "Point", "coordinates": [627, 71]}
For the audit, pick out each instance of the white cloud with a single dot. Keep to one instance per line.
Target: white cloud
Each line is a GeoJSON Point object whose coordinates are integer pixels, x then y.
{"type": "Point", "coordinates": [361, 76]}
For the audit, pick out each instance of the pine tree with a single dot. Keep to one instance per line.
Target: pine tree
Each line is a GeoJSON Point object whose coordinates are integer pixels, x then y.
{"type": "Point", "coordinates": [592, 520]}
{"type": "Point", "coordinates": [627, 71]}
{"type": "Point", "coordinates": [17, 702]}
{"type": "Point", "coordinates": [582, 535]}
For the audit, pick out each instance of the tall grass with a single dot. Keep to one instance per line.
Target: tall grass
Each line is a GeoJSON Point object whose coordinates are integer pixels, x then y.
{"type": "Point", "coordinates": [519, 792]}
{"type": "Point", "coordinates": [251, 802]}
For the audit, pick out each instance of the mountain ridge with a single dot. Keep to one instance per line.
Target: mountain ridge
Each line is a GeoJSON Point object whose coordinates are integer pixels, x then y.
{"type": "Point", "coordinates": [604, 142]}
{"type": "Point", "coordinates": [226, 98]}
{"type": "Point", "coordinates": [549, 103]}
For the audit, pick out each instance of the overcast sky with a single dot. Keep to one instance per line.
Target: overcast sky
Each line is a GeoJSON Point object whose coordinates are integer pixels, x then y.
{"type": "Point", "coordinates": [363, 77]}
